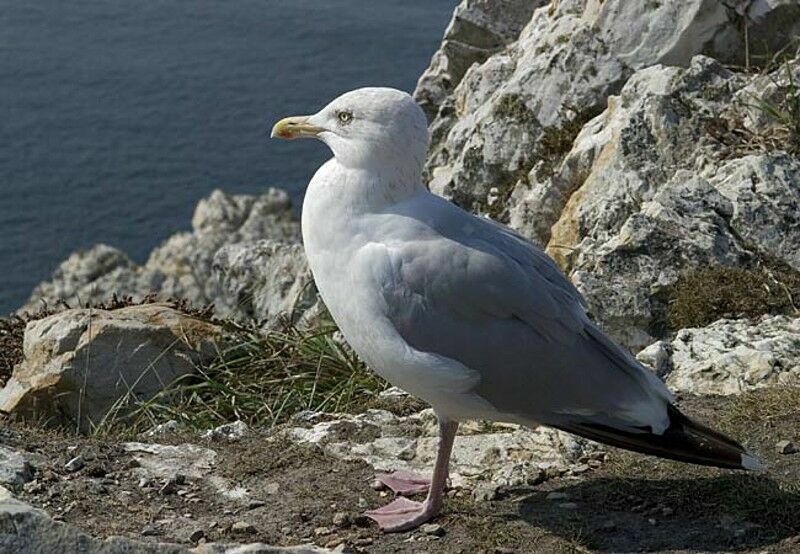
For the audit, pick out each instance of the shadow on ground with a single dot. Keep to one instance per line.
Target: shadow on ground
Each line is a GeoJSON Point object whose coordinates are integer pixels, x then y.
{"type": "Point", "coordinates": [716, 514]}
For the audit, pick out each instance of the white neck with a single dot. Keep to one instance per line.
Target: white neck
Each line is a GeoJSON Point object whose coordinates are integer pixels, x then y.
{"type": "Point", "coordinates": [352, 191]}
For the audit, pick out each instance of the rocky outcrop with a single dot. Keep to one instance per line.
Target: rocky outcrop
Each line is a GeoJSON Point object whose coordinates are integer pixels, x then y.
{"type": "Point", "coordinates": [185, 266]}
{"type": "Point", "coordinates": [651, 188]}
{"type": "Point", "coordinates": [513, 116]}
{"type": "Point", "coordinates": [730, 356]}
{"type": "Point", "coordinates": [83, 364]}
{"type": "Point", "coordinates": [478, 29]}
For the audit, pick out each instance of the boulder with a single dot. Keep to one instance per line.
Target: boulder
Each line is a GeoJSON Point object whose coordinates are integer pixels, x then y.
{"type": "Point", "coordinates": [83, 364]}
{"type": "Point", "coordinates": [730, 356]}
{"type": "Point", "coordinates": [183, 266]}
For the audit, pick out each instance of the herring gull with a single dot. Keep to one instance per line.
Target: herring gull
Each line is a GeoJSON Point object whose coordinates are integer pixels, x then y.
{"type": "Point", "coordinates": [461, 311]}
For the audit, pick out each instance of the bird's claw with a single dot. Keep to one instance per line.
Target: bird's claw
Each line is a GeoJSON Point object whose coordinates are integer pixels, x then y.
{"type": "Point", "coordinates": [402, 514]}
{"type": "Point", "coordinates": [404, 482]}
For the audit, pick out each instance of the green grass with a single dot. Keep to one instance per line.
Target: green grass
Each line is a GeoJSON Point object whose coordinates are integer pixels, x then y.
{"type": "Point", "coordinates": [261, 380]}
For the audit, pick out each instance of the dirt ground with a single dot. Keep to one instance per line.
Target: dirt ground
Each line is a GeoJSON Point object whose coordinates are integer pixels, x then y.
{"type": "Point", "coordinates": [299, 495]}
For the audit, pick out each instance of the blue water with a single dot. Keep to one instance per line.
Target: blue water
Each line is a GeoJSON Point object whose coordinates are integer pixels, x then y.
{"type": "Point", "coordinates": [116, 116]}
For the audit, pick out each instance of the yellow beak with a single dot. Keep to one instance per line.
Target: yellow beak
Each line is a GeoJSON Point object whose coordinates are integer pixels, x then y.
{"type": "Point", "coordinates": [295, 127]}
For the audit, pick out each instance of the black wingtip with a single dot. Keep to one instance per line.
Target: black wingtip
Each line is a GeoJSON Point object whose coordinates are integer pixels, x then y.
{"type": "Point", "coordinates": [684, 440]}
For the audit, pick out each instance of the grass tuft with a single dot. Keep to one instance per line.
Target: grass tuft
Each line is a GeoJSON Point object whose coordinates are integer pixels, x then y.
{"type": "Point", "coordinates": [704, 295]}
{"type": "Point", "coordinates": [263, 380]}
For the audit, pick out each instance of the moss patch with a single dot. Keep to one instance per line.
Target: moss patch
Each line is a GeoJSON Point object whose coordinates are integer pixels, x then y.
{"type": "Point", "coordinates": [513, 107]}
{"type": "Point", "coordinates": [704, 295]}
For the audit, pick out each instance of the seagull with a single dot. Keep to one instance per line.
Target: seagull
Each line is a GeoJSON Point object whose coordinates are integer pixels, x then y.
{"type": "Point", "coordinates": [463, 312]}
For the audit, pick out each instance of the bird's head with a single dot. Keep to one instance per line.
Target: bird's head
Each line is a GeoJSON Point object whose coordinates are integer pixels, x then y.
{"type": "Point", "coordinates": [365, 128]}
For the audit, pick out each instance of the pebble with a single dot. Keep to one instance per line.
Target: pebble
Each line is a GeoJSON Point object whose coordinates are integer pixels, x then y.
{"type": "Point", "coordinates": [433, 529]}
{"type": "Point", "coordinates": [180, 479]}
{"type": "Point", "coordinates": [286, 530]}
{"type": "Point", "coordinates": [272, 488]}
{"type": "Point", "coordinates": [364, 541]}
{"type": "Point", "coordinates": [197, 535]}
{"type": "Point", "coordinates": [786, 447]}
{"type": "Point", "coordinates": [362, 503]}
{"type": "Point", "coordinates": [253, 504]}
{"type": "Point", "coordinates": [341, 519]}
{"type": "Point", "coordinates": [75, 464]}
{"type": "Point", "coordinates": [319, 531]}
{"type": "Point", "coordinates": [334, 542]}
{"type": "Point", "coordinates": [242, 527]}
{"type": "Point", "coordinates": [149, 531]}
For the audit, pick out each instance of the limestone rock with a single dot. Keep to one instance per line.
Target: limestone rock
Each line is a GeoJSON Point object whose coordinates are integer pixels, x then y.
{"type": "Point", "coordinates": [478, 29]}
{"type": "Point", "coordinates": [730, 356]}
{"type": "Point", "coordinates": [164, 462]}
{"type": "Point", "coordinates": [519, 110]}
{"type": "Point", "coordinates": [182, 267]}
{"type": "Point", "coordinates": [485, 454]}
{"type": "Point", "coordinates": [650, 189]}
{"type": "Point", "coordinates": [81, 363]}
{"type": "Point", "coordinates": [266, 279]}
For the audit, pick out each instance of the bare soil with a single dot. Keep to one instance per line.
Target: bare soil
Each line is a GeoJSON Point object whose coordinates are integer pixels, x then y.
{"type": "Point", "coordinates": [300, 495]}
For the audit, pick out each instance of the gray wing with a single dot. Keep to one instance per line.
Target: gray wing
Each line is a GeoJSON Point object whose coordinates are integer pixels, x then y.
{"type": "Point", "coordinates": [474, 291]}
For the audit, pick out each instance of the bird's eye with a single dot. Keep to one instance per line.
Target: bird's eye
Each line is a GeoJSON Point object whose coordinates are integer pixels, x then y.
{"type": "Point", "coordinates": [345, 117]}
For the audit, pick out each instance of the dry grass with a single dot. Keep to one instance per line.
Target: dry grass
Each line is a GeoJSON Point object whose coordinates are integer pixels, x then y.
{"type": "Point", "coordinates": [704, 295]}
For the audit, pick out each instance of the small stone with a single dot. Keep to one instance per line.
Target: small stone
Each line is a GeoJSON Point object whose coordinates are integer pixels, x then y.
{"type": "Point", "coordinates": [363, 541]}
{"type": "Point", "coordinates": [144, 482]}
{"type": "Point", "coordinates": [341, 519]}
{"type": "Point", "coordinates": [334, 542]}
{"type": "Point", "coordinates": [667, 511]}
{"type": "Point", "coordinates": [75, 464]}
{"type": "Point", "coordinates": [196, 535]}
{"type": "Point", "coordinates": [286, 530]}
{"type": "Point", "coordinates": [272, 488]}
{"type": "Point", "coordinates": [149, 531]}
{"type": "Point", "coordinates": [432, 529]}
{"type": "Point", "coordinates": [320, 531]}
{"type": "Point", "coordinates": [651, 521]}
{"type": "Point", "coordinates": [557, 496]}
{"type": "Point", "coordinates": [253, 504]}
{"type": "Point", "coordinates": [786, 447]}
{"type": "Point", "coordinates": [362, 503]}
{"type": "Point", "coordinates": [377, 485]}
{"type": "Point", "coordinates": [242, 527]}
{"type": "Point", "coordinates": [180, 479]}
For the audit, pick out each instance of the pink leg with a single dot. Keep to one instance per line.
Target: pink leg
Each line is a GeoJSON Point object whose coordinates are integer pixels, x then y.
{"type": "Point", "coordinates": [403, 514]}
{"type": "Point", "coordinates": [404, 482]}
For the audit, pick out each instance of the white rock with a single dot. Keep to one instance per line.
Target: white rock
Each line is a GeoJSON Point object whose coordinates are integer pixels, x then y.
{"type": "Point", "coordinates": [230, 432]}
{"type": "Point", "coordinates": [82, 363]}
{"type": "Point", "coordinates": [498, 454]}
{"type": "Point", "coordinates": [731, 356]}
